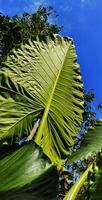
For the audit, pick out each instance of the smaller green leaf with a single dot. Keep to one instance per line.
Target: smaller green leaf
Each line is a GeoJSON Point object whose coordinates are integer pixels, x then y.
{"type": "Point", "coordinates": [72, 193]}
{"type": "Point", "coordinates": [27, 174]}
{"type": "Point", "coordinates": [93, 143]}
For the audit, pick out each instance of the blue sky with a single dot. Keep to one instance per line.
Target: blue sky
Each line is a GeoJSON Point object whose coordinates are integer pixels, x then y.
{"type": "Point", "coordinates": [82, 20]}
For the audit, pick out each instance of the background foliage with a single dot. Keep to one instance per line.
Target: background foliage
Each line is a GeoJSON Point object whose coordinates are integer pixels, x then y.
{"type": "Point", "coordinates": [17, 29]}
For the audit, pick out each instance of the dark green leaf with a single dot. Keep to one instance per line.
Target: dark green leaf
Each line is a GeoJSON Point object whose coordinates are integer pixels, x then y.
{"type": "Point", "coordinates": [27, 174]}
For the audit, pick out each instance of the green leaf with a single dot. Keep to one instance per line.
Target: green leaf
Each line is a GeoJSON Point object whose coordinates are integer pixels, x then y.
{"type": "Point", "coordinates": [28, 174]}
{"type": "Point", "coordinates": [72, 193]}
{"type": "Point", "coordinates": [93, 143]}
{"type": "Point", "coordinates": [48, 75]}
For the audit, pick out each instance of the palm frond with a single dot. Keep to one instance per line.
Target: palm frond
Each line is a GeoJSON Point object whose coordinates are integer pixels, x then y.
{"type": "Point", "coordinates": [28, 174]}
{"type": "Point", "coordinates": [93, 143]}
{"type": "Point", "coordinates": [50, 75]}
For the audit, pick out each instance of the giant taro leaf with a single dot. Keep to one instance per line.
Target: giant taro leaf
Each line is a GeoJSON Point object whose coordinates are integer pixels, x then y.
{"type": "Point", "coordinates": [27, 174]}
{"type": "Point", "coordinates": [43, 80]}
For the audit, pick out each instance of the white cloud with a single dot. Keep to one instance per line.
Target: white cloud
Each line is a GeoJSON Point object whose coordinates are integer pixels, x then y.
{"type": "Point", "coordinates": [11, 1]}
{"type": "Point", "coordinates": [1, 11]}
{"type": "Point", "coordinates": [90, 3]}
{"type": "Point", "coordinates": [37, 3]}
{"type": "Point", "coordinates": [83, 2]}
{"type": "Point", "coordinates": [66, 7]}
{"type": "Point", "coordinates": [34, 5]}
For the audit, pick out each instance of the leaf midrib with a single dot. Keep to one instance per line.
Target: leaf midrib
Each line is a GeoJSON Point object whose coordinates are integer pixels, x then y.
{"type": "Point", "coordinates": [45, 114]}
